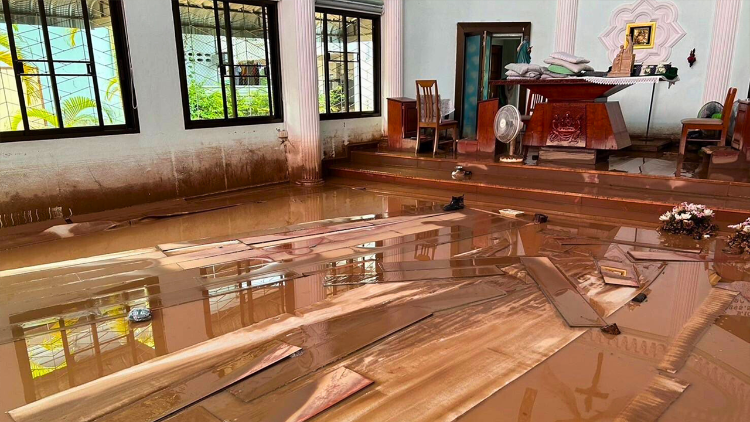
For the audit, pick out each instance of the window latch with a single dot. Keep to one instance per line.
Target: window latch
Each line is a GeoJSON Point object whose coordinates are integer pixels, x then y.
{"type": "Point", "coordinates": [18, 67]}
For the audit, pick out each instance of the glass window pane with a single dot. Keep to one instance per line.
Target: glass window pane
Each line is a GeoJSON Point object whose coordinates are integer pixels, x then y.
{"type": "Point", "coordinates": [235, 36]}
{"type": "Point", "coordinates": [199, 39]}
{"type": "Point", "coordinates": [31, 51]}
{"type": "Point", "coordinates": [249, 49]}
{"type": "Point", "coordinates": [367, 63]}
{"type": "Point", "coordinates": [352, 57]}
{"type": "Point", "coordinates": [336, 71]}
{"type": "Point", "coordinates": [9, 102]}
{"type": "Point", "coordinates": [320, 48]}
{"type": "Point", "coordinates": [105, 59]}
{"type": "Point", "coordinates": [347, 71]}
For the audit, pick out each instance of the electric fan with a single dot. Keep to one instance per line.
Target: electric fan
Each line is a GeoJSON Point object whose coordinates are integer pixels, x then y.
{"type": "Point", "coordinates": [711, 109]}
{"type": "Point", "coordinates": [507, 127]}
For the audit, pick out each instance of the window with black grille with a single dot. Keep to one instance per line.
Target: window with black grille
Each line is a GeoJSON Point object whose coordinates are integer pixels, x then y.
{"type": "Point", "coordinates": [348, 52]}
{"type": "Point", "coordinates": [64, 70]}
{"type": "Point", "coordinates": [230, 69]}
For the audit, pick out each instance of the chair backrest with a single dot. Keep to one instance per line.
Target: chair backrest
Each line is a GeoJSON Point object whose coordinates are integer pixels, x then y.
{"type": "Point", "coordinates": [726, 112]}
{"type": "Point", "coordinates": [427, 93]}
{"type": "Point", "coordinates": [532, 100]}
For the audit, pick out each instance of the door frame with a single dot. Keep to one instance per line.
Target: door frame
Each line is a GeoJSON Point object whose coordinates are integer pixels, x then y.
{"type": "Point", "coordinates": [478, 28]}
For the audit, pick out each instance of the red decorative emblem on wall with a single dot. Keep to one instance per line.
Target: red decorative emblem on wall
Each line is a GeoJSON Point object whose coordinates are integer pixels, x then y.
{"type": "Point", "coordinates": [567, 130]}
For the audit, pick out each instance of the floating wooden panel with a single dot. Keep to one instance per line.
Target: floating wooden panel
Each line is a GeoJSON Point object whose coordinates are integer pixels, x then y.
{"type": "Point", "coordinates": [194, 414]}
{"type": "Point", "coordinates": [712, 307]}
{"type": "Point", "coordinates": [650, 404]}
{"type": "Point", "coordinates": [327, 342]}
{"type": "Point", "coordinates": [180, 395]}
{"type": "Point", "coordinates": [665, 256]}
{"type": "Point", "coordinates": [310, 398]}
{"type": "Point", "coordinates": [569, 303]}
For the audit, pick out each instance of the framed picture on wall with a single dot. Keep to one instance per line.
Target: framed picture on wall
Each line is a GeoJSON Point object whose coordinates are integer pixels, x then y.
{"type": "Point", "coordinates": [642, 33]}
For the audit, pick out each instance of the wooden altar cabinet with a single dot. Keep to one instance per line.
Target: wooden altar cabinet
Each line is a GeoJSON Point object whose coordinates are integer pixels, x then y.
{"type": "Point", "coordinates": [576, 114]}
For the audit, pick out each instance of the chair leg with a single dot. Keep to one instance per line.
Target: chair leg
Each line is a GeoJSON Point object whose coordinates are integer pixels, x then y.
{"type": "Point", "coordinates": [683, 139]}
{"type": "Point", "coordinates": [416, 148]}
{"type": "Point", "coordinates": [455, 141]}
{"type": "Point", "coordinates": [434, 145]}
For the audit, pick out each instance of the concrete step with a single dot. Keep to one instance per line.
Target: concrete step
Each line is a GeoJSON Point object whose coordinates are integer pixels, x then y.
{"type": "Point", "coordinates": [581, 198]}
{"type": "Point", "coordinates": [725, 194]}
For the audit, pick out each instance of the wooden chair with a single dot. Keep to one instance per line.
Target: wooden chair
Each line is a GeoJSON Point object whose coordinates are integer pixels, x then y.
{"type": "Point", "coordinates": [430, 116]}
{"type": "Point", "coordinates": [710, 124]}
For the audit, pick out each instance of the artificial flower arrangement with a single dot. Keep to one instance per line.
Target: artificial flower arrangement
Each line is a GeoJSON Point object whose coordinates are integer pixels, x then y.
{"type": "Point", "coordinates": [740, 240]}
{"type": "Point", "coordinates": [689, 219]}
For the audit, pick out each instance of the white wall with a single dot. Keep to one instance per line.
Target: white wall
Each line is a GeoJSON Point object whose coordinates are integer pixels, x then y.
{"type": "Point", "coordinates": [430, 34]}
{"type": "Point", "coordinates": [164, 160]}
{"type": "Point", "coordinates": [430, 50]}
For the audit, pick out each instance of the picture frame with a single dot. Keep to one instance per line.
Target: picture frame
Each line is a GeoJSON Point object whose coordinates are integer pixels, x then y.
{"type": "Point", "coordinates": [642, 33]}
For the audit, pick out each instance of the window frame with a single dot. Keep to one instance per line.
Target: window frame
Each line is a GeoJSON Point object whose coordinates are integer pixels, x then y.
{"type": "Point", "coordinates": [127, 91]}
{"type": "Point", "coordinates": [327, 115]}
{"type": "Point", "coordinates": [274, 57]}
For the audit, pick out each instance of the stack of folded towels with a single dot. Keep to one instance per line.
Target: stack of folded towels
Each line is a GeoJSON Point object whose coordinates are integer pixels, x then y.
{"type": "Point", "coordinates": [562, 65]}
{"type": "Point", "coordinates": [523, 71]}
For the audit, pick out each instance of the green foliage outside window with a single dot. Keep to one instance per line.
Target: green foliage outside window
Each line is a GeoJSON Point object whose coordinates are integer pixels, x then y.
{"type": "Point", "coordinates": [208, 104]}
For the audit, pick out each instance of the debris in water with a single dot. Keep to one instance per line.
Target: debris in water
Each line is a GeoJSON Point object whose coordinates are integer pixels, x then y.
{"type": "Point", "coordinates": [611, 329]}
{"type": "Point", "coordinates": [640, 298]}
{"type": "Point", "coordinates": [457, 203]}
{"type": "Point", "coordinates": [139, 315]}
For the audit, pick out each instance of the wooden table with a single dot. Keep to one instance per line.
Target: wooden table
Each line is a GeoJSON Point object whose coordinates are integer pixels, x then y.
{"type": "Point", "coordinates": [576, 114]}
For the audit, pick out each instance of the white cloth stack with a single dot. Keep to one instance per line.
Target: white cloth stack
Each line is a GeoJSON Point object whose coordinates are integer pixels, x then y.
{"type": "Point", "coordinates": [523, 71]}
{"type": "Point", "coordinates": [573, 63]}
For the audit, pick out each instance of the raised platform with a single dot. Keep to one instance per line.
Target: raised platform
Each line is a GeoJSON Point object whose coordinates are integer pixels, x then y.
{"type": "Point", "coordinates": [639, 197]}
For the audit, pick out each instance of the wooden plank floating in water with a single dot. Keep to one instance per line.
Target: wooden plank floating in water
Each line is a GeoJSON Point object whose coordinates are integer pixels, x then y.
{"type": "Point", "coordinates": [185, 393]}
{"type": "Point", "coordinates": [327, 342]}
{"type": "Point", "coordinates": [311, 397]}
{"type": "Point", "coordinates": [650, 404]}
{"type": "Point", "coordinates": [712, 307]}
{"type": "Point", "coordinates": [665, 256]}
{"type": "Point", "coordinates": [572, 241]}
{"type": "Point", "coordinates": [194, 414]}
{"type": "Point", "coordinates": [574, 309]}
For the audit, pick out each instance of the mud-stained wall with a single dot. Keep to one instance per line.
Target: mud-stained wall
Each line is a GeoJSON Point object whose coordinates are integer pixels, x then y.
{"type": "Point", "coordinates": [164, 160]}
{"type": "Point", "coordinates": [335, 135]}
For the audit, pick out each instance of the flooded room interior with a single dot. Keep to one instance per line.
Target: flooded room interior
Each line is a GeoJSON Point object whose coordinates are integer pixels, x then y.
{"type": "Point", "coordinates": [374, 210]}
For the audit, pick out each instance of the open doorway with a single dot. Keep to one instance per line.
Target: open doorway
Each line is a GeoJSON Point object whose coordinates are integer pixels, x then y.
{"type": "Point", "coordinates": [483, 50]}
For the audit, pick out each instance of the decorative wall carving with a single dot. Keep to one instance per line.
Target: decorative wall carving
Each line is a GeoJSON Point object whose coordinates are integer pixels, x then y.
{"type": "Point", "coordinates": [568, 128]}
{"type": "Point", "coordinates": [668, 31]}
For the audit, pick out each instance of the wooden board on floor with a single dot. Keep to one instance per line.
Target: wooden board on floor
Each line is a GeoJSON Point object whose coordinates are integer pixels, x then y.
{"type": "Point", "coordinates": [572, 306]}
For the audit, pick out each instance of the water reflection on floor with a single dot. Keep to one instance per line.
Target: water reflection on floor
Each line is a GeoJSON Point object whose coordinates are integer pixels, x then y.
{"type": "Point", "coordinates": [63, 326]}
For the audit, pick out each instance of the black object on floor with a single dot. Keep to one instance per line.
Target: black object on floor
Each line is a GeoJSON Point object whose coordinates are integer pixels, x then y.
{"type": "Point", "coordinates": [457, 203]}
{"type": "Point", "coordinates": [640, 298]}
{"type": "Point", "coordinates": [540, 218]}
{"type": "Point", "coordinates": [611, 329]}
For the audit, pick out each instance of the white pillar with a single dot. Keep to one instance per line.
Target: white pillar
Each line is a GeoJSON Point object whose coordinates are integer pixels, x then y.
{"type": "Point", "coordinates": [392, 30]}
{"type": "Point", "coordinates": [565, 26]}
{"type": "Point", "coordinates": [300, 84]}
{"type": "Point", "coordinates": [726, 19]}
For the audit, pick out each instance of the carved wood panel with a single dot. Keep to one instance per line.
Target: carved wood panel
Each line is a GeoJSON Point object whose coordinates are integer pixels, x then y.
{"type": "Point", "coordinates": [568, 126]}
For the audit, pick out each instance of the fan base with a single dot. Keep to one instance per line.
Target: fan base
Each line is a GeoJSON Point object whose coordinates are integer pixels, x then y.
{"type": "Point", "coordinates": [511, 159]}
